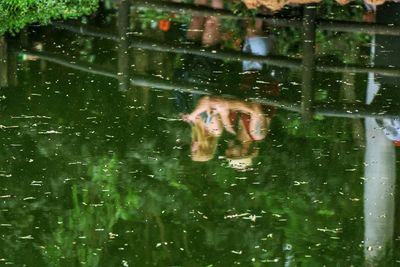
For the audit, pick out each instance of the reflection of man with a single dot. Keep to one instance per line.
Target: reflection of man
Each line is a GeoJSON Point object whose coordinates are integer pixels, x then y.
{"type": "Point", "coordinates": [204, 31]}
{"type": "Point", "coordinates": [250, 123]}
{"type": "Point", "coordinates": [240, 153]}
{"type": "Point", "coordinates": [203, 28]}
{"type": "Point", "coordinates": [259, 44]}
{"type": "Point", "coordinates": [247, 122]}
{"type": "Point", "coordinates": [256, 43]}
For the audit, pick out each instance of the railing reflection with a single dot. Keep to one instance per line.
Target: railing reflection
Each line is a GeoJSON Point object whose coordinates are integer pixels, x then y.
{"type": "Point", "coordinates": [8, 64]}
{"type": "Point", "coordinates": [123, 58]}
{"type": "Point", "coordinates": [352, 110]}
{"type": "Point", "coordinates": [307, 65]}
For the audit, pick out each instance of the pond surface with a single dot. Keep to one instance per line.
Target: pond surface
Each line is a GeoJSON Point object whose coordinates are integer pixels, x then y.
{"type": "Point", "coordinates": [137, 137]}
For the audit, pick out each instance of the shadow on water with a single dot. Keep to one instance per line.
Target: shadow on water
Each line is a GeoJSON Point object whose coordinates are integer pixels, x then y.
{"type": "Point", "coordinates": [172, 134]}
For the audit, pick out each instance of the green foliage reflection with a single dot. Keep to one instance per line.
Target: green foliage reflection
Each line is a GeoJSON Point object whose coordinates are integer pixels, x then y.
{"type": "Point", "coordinates": [97, 205]}
{"type": "Point", "coordinates": [16, 14]}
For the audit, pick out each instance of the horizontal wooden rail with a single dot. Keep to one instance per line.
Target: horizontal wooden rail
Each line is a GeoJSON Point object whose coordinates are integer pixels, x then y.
{"type": "Point", "coordinates": [86, 30]}
{"type": "Point", "coordinates": [354, 68]}
{"type": "Point", "coordinates": [353, 111]}
{"type": "Point", "coordinates": [358, 27]}
{"type": "Point", "coordinates": [280, 61]}
{"type": "Point", "coordinates": [158, 83]}
{"type": "Point", "coordinates": [73, 64]}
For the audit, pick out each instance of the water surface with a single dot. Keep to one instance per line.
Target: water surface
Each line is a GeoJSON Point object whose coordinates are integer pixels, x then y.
{"type": "Point", "coordinates": [99, 169]}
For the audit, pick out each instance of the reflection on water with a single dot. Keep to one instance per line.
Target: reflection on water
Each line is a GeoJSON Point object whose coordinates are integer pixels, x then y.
{"type": "Point", "coordinates": [148, 136]}
{"type": "Point", "coordinates": [380, 155]}
{"type": "Point", "coordinates": [275, 5]}
{"type": "Point", "coordinates": [212, 116]}
{"type": "Point", "coordinates": [247, 122]}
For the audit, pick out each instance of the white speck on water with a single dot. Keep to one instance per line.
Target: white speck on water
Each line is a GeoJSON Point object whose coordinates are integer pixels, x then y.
{"type": "Point", "coordinates": [36, 183]}
{"type": "Point", "coordinates": [26, 237]}
{"type": "Point", "coordinates": [50, 132]}
{"type": "Point", "coordinates": [232, 216]}
{"type": "Point", "coordinates": [8, 127]}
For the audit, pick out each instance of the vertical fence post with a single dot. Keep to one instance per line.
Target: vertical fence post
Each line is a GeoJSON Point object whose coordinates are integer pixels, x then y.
{"type": "Point", "coordinates": [123, 58]}
{"type": "Point", "coordinates": [3, 62]}
{"type": "Point", "coordinates": [308, 63]}
{"type": "Point", "coordinates": [12, 67]}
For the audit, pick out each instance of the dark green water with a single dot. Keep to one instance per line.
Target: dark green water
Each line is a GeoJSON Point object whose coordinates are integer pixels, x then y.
{"type": "Point", "coordinates": [99, 172]}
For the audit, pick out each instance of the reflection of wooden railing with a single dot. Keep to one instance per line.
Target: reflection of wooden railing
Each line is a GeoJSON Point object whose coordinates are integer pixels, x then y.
{"type": "Point", "coordinates": [308, 62]}
{"type": "Point", "coordinates": [332, 110]}
{"type": "Point", "coordinates": [280, 61]}
{"type": "Point", "coordinates": [329, 25]}
{"type": "Point", "coordinates": [77, 65]}
{"type": "Point", "coordinates": [8, 64]}
{"type": "Point", "coordinates": [3, 62]}
{"type": "Point", "coordinates": [308, 65]}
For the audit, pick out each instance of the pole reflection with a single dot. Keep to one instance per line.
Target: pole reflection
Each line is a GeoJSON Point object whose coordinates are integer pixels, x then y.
{"type": "Point", "coordinates": [382, 136]}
